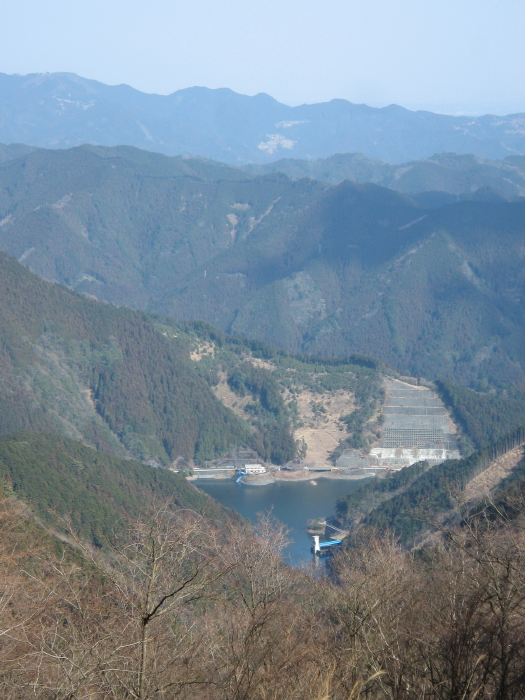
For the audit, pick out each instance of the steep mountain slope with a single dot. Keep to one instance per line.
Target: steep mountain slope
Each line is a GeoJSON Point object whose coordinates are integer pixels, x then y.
{"type": "Point", "coordinates": [127, 225]}
{"type": "Point", "coordinates": [158, 390]}
{"type": "Point", "coordinates": [63, 110]}
{"type": "Point", "coordinates": [411, 502]}
{"type": "Point", "coordinates": [103, 375]}
{"type": "Point", "coordinates": [433, 290]}
{"type": "Point", "coordinates": [443, 172]}
{"type": "Point", "coordinates": [57, 477]}
{"type": "Point", "coordinates": [483, 417]}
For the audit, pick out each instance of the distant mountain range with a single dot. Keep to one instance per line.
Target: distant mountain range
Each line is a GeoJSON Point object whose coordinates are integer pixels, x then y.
{"type": "Point", "coordinates": [60, 110]}
{"type": "Point", "coordinates": [441, 179]}
{"type": "Point", "coordinates": [459, 176]}
{"type": "Point", "coordinates": [432, 289]}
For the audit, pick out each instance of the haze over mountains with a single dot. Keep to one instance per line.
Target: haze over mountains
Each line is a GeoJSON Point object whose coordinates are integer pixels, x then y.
{"type": "Point", "coordinates": [61, 110]}
{"type": "Point", "coordinates": [417, 260]}
{"type": "Point", "coordinates": [446, 173]}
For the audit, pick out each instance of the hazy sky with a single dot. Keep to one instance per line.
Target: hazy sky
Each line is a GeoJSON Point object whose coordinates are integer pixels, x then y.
{"type": "Point", "coordinates": [444, 55]}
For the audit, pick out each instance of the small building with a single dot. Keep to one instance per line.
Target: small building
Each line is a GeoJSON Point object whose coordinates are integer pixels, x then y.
{"type": "Point", "coordinates": [254, 468]}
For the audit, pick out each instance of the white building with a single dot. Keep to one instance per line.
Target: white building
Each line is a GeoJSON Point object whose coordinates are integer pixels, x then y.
{"type": "Point", "coordinates": [254, 469]}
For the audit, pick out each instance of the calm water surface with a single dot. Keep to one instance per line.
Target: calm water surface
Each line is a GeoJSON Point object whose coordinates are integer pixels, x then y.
{"type": "Point", "coordinates": [292, 502]}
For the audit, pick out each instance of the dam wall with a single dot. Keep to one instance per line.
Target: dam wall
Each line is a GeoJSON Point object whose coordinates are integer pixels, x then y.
{"type": "Point", "coordinates": [415, 427]}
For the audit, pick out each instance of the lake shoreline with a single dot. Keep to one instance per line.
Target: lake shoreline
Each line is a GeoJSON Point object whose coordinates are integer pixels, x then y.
{"type": "Point", "coordinates": [299, 475]}
{"type": "Point", "coordinates": [307, 475]}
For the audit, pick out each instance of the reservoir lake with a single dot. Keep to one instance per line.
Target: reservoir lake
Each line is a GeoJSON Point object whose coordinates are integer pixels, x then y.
{"type": "Point", "coordinates": [291, 502]}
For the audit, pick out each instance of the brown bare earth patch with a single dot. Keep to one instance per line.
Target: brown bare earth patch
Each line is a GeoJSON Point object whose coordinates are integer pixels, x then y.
{"type": "Point", "coordinates": [306, 475]}
{"type": "Point", "coordinates": [322, 431]}
{"type": "Point", "coordinates": [201, 351]}
{"type": "Point", "coordinates": [88, 393]}
{"type": "Point", "coordinates": [482, 484]}
{"type": "Point", "coordinates": [318, 414]}
{"type": "Point", "coordinates": [263, 364]}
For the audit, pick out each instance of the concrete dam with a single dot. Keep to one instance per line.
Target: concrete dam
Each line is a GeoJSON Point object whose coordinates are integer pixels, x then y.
{"type": "Point", "coordinates": [415, 427]}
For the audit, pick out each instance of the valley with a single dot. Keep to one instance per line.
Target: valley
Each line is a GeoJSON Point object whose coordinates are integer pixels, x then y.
{"type": "Point", "coordinates": [367, 323]}
{"type": "Point", "coordinates": [262, 351]}
{"type": "Point", "coordinates": [127, 384]}
{"type": "Point", "coordinates": [100, 403]}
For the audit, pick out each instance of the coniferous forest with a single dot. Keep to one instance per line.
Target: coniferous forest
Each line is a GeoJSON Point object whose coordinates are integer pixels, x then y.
{"type": "Point", "coordinates": [426, 279]}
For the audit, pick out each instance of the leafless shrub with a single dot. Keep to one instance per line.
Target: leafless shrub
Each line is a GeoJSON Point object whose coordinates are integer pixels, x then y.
{"type": "Point", "coordinates": [179, 608]}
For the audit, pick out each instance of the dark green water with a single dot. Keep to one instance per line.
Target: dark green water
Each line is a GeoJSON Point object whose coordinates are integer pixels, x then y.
{"type": "Point", "coordinates": [293, 503]}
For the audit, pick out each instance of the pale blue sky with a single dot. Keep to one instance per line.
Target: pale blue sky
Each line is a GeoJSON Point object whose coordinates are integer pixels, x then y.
{"type": "Point", "coordinates": [455, 56]}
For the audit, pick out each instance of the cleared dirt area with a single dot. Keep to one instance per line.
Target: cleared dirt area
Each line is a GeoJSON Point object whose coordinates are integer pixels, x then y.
{"type": "Point", "coordinates": [205, 349]}
{"type": "Point", "coordinates": [305, 475]}
{"type": "Point", "coordinates": [321, 430]}
{"type": "Point", "coordinates": [482, 484]}
{"type": "Point", "coordinates": [263, 364]}
{"type": "Point", "coordinates": [320, 414]}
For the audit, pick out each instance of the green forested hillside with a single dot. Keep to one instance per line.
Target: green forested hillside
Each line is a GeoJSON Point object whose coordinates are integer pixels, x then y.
{"type": "Point", "coordinates": [14, 150]}
{"type": "Point", "coordinates": [460, 175]}
{"type": "Point", "coordinates": [483, 418]}
{"type": "Point", "coordinates": [431, 292]}
{"type": "Point", "coordinates": [435, 291]}
{"type": "Point", "coordinates": [119, 223]}
{"type": "Point", "coordinates": [104, 375]}
{"type": "Point", "coordinates": [139, 385]}
{"type": "Point", "coordinates": [57, 477]}
{"type": "Point", "coordinates": [408, 502]}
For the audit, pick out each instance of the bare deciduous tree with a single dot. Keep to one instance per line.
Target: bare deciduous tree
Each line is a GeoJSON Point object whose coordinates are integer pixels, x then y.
{"type": "Point", "coordinates": [178, 607]}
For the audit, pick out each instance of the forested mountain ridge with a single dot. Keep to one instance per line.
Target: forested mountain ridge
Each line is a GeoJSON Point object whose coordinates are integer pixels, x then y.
{"type": "Point", "coordinates": [63, 110]}
{"type": "Point", "coordinates": [446, 173]}
{"type": "Point", "coordinates": [60, 478]}
{"type": "Point", "coordinates": [128, 225]}
{"type": "Point", "coordinates": [13, 151]}
{"type": "Point", "coordinates": [432, 292]}
{"type": "Point", "coordinates": [440, 179]}
{"type": "Point", "coordinates": [298, 264]}
{"type": "Point", "coordinates": [158, 390]}
{"type": "Point", "coordinates": [102, 375]}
